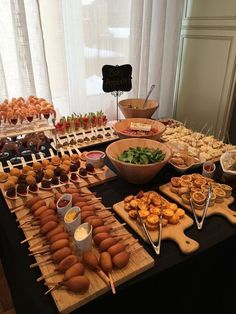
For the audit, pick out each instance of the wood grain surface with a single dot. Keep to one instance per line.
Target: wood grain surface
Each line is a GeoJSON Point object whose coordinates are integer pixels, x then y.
{"type": "Point", "coordinates": [221, 209]}
{"type": "Point", "coordinates": [67, 301]}
{"type": "Point", "coordinates": [169, 232]}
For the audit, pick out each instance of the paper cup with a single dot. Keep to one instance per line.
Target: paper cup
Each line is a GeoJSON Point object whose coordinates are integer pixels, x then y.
{"type": "Point", "coordinates": [83, 237]}
{"type": "Point", "coordinates": [63, 204]}
{"type": "Point", "coordinates": [72, 219]}
{"type": "Point", "coordinates": [208, 169]}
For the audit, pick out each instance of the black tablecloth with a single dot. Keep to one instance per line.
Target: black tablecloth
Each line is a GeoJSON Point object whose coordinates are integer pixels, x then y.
{"type": "Point", "coordinates": [202, 282]}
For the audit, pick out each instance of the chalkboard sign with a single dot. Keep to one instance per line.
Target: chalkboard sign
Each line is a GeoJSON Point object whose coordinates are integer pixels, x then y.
{"type": "Point", "coordinates": [117, 78]}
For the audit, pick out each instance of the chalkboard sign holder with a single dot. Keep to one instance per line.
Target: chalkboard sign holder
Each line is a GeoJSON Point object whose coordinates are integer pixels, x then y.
{"type": "Point", "coordinates": [117, 94]}
{"type": "Point", "coordinates": [117, 79]}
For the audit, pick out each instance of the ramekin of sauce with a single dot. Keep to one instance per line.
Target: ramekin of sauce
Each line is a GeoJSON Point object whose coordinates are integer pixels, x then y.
{"type": "Point", "coordinates": [72, 219]}
{"type": "Point", "coordinates": [63, 204]}
{"type": "Point", "coordinates": [83, 237]}
{"type": "Point", "coordinates": [96, 158]}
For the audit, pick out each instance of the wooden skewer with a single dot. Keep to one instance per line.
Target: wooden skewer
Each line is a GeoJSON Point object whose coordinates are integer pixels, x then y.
{"type": "Point", "coordinates": [113, 289]}
{"type": "Point", "coordinates": [18, 208]}
{"type": "Point", "coordinates": [24, 223]}
{"type": "Point", "coordinates": [107, 222]}
{"type": "Point", "coordinates": [118, 227]}
{"type": "Point", "coordinates": [30, 238]}
{"type": "Point", "coordinates": [36, 243]}
{"type": "Point", "coordinates": [25, 215]}
{"type": "Point", "coordinates": [26, 228]}
{"type": "Point", "coordinates": [49, 290]}
{"type": "Point", "coordinates": [48, 260]}
{"type": "Point", "coordinates": [39, 252]}
{"type": "Point", "coordinates": [102, 275]}
{"type": "Point", "coordinates": [40, 247]}
{"type": "Point", "coordinates": [47, 276]}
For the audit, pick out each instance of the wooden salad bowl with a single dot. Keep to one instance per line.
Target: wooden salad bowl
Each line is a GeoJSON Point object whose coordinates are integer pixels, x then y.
{"type": "Point", "coordinates": [123, 125]}
{"type": "Point", "coordinates": [137, 173]}
{"type": "Point", "coordinates": [133, 108]}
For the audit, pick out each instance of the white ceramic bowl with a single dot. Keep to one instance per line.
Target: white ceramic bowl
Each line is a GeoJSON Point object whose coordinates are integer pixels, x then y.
{"type": "Point", "coordinates": [96, 158]}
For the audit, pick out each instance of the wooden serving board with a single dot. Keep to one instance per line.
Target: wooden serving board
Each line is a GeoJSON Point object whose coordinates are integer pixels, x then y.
{"type": "Point", "coordinates": [106, 175]}
{"type": "Point", "coordinates": [67, 301]}
{"type": "Point", "coordinates": [169, 232]}
{"type": "Point", "coordinates": [221, 209]}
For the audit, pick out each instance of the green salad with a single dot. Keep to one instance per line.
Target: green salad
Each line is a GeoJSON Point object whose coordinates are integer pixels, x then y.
{"type": "Point", "coordinates": [142, 155]}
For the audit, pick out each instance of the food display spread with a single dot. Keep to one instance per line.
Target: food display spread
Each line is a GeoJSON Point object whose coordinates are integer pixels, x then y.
{"type": "Point", "coordinates": [80, 247]}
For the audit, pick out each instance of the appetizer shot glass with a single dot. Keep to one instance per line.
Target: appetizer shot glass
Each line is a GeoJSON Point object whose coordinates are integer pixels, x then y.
{"type": "Point", "coordinates": [208, 169]}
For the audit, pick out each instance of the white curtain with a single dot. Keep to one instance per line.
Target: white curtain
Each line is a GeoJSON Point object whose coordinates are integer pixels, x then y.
{"type": "Point", "coordinates": [154, 41]}
{"type": "Point", "coordinates": [23, 70]}
{"type": "Point", "coordinates": [56, 49]}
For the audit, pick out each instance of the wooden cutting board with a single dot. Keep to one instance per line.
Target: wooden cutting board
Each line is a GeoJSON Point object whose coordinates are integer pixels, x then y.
{"type": "Point", "coordinates": [67, 301]}
{"type": "Point", "coordinates": [169, 232]}
{"type": "Point", "coordinates": [221, 209]}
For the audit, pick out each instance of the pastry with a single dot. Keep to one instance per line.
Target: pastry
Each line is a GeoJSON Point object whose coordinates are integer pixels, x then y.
{"type": "Point", "coordinates": [50, 167]}
{"type": "Point", "coordinates": [26, 169]}
{"type": "Point", "coordinates": [74, 176]}
{"type": "Point", "coordinates": [83, 172]}
{"type": "Point", "coordinates": [8, 185]}
{"type": "Point", "coordinates": [65, 157]}
{"type": "Point", "coordinates": [21, 188]}
{"type": "Point", "coordinates": [15, 172]}
{"type": "Point", "coordinates": [46, 184]}
{"type": "Point", "coordinates": [37, 166]}
{"type": "Point", "coordinates": [66, 162]}
{"type": "Point", "coordinates": [11, 192]}
{"type": "Point", "coordinates": [73, 167]}
{"type": "Point", "coordinates": [3, 176]}
{"type": "Point", "coordinates": [64, 178]}
{"type": "Point", "coordinates": [31, 173]}
{"type": "Point", "coordinates": [45, 163]}
{"type": "Point", "coordinates": [55, 161]}
{"type": "Point", "coordinates": [33, 188]}
{"type": "Point", "coordinates": [65, 168]}
{"type": "Point", "coordinates": [48, 174]}
{"type": "Point", "coordinates": [174, 219]}
{"type": "Point", "coordinates": [58, 171]}
{"type": "Point", "coordinates": [133, 214]}
{"type": "Point", "coordinates": [180, 212]}
{"type": "Point", "coordinates": [74, 158]}
{"type": "Point", "coordinates": [90, 168]}
{"type": "Point", "coordinates": [55, 181]}
{"type": "Point", "coordinates": [30, 180]}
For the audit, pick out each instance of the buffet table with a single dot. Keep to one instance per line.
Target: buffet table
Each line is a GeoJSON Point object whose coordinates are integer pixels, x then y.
{"type": "Point", "coordinates": [178, 282]}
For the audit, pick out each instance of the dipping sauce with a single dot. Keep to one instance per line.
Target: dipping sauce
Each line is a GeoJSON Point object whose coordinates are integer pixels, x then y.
{"type": "Point", "coordinates": [72, 215]}
{"type": "Point", "coordinates": [95, 155]}
{"type": "Point", "coordinates": [81, 233]}
{"type": "Point", "coordinates": [63, 203]}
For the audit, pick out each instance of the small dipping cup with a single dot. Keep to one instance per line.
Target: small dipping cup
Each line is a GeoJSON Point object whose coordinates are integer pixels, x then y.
{"type": "Point", "coordinates": [72, 219]}
{"type": "Point", "coordinates": [83, 237]}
